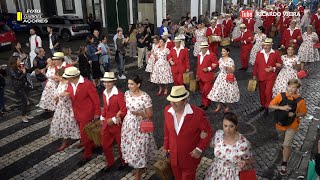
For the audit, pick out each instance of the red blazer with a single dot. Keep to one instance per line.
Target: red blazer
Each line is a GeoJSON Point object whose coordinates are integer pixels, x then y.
{"type": "Point", "coordinates": [260, 65]}
{"type": "Point", "coordinates": [181, 62]}
{"type": "Point", "coordinates": [217, 31]}
{"type": "Point", "coordinates": [246, 38]}
{"type": "Point", "coordinates": [227, 25]}
{"type": "Point", "coordinates": [283, 24]}
{"type": "Point", "coordinates": [286, 37]}
{"type": "Point", "coordinates": [316, 21]}
{"type": "Point", "coordinates": [188, 138]}
{"type": "Point", "coordinates": [85, 103]}
{"type": "Point", "coordinates": [268, 20]}
{"type": "Point", "coordinates": [250, 25]}
{"type": "Point", "coordinates": [208, 60]}
{"type": "Point", "coordinates": [301, 10]}
{"type": "Point", "coordinates": [170, 44]}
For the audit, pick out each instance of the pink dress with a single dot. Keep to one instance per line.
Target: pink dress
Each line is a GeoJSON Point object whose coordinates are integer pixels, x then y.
{"type": "Point", "coordinates": [161, 73]}
{"type": "Point", "coordinates": [137, 147]}
{"type": "Point", "coordinates": [200, 37]}
{"type": "Point", "coordinates": [224, 165]}
{"type": "Point", "coordinates": [46, 101]}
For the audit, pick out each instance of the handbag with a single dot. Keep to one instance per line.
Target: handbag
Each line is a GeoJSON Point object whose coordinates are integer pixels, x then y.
{"type": "Point", "coordinates": [302, 74]}
{"type": "Point", "coordinates": [230, 77]}
{"type": "Point", "coordinates": [252, 85]}
{"type": "Point", "coordinates": [316, 45]}
{"type": "Point", "coordinates": [146, 126]}
{"type": "Point", "coordinates": [248, 174]}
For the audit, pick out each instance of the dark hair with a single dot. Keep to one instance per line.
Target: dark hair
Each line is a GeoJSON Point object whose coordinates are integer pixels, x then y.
{"type": "Point", "coordinates": [162, 40]}
{"type": "Point", "coordinates": [81, 49]}
{"type": "Point", "coordinates": [297, 82]}
{"type": "Point", "coordinates": [137, 79]}
{"type": "Point", "coordinates": [51, 27]}
{"type": "Point", "coordinates": [13, 62]}
{"type": "Point", "coordinates": [226, 48]}
{"type": "Point", "coordinates": [292, 46]}
{"type": "Point", "coordinates": [155, 37]}
{"type": "Point", "coordinates": [164, 20]}
{"type": "Point", "coordinates": [89, 38]}
{"type": "Point", "coordinates": [232, 117]}
{"type": "Point", "coordinates": [133, 27]}
{"type": "Point", "coordinates": [95, 30]}
{"type": "Point", "coordinates": [60, 72]}
{"type": "Point", "coordinates": [102, 37]}
{"type": "Point", "coordinates": [262, 29]}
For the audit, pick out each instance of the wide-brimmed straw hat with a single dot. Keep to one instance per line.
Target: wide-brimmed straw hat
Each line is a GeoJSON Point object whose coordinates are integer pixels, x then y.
{"type": "Point", "coordinates": [243, 26]}
{"type": "Point", "coordinates": [177, 39]}
{"type": "Point", "coordinates": [268, 41]}
{"type": "Point", "coordinates": [71, 72]}
{"type": "Point", "coordinates": [58, 55]}
{"type": "Point", "coordinates": [178, 93]}
{"type": "Point", "coordinates": [108, 76]}
{"type": "Point", "coordinates": [204, 44]}
{"type": "Point", "coordinates": [165, 33]}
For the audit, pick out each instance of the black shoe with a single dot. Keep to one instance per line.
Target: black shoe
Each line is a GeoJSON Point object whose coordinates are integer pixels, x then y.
{"type": "Point", "coordinates": [122, 167]}
{"type": "Point", "coordinates": [83, 161]}
{"type": "Point", "coordinates": [262, 109]}
{"type": "Point", "coordinates": [107, 169]}
{"type": "Point", "coordinates": [266, 112]}
{"type": "Point", "coordinates": [201, 106]}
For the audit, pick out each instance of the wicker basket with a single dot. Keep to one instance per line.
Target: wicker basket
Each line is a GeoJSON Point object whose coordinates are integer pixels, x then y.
{"type": "Point", "coordinates": [163, 169]}
{"type": "Point", "coordinates": [214, 39]}
{"type": "Point", "coordinates": [193, 85]}
{"type": "Point", "coordinates": [187, 77]}
{"type": "Point", "coordinates": [92, 129]}
{"type": "Point", "coordinates": [252, 85]}
{"type": "Point", "coordinates": [225, 41]}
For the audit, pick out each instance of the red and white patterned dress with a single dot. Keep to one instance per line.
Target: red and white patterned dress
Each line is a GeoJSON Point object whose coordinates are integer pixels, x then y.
{"type": "Point", "coordinates": [224, 165]}
{"type": "Point", "coordinates": [222, 90]}
{"type": "Point", "coordinates": [236, 30]}
{"type": "Point", "coordinates": [63, 124]}
{"type": "Point", "coordinates": [200, 37]}
{"type": "Point", "coordinates": [151, 60]}
{"type": "Point", "coordinates": [307, 53]}
{"type": "Point", "coordinates": [161, 73]}
{"type": "Point", "coordinates": [46, 101]}
{"type": "Point", "coordinates": [286, 73]}
{"type": "Point", "coordinates": [256, 47]}
{"type": "Point", "coordinates": [137, 147]}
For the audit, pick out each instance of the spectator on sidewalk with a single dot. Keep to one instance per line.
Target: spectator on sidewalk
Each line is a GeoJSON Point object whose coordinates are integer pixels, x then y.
{"type": "Point", "coordinates": [39, 65]}
{"type": "Point", "coordinates": [54, 44]}
{"type": "Point", "coordinates": [121, 43]}
{"type": "Point", "coordinates": [84, 63]}
{"type": "Point", "coordinates": [34, 42]}
{"type": "Point", "coordinates": [96, 37]}
{"type": "Point", "coordinates": [93, 56]}
{"type": "Point", "coordinates": [164, 28]}
{"type": "Point", "coordinates": [317, 168]}
{"type": "Point", "coordinates": [141, 45]}
{"type": "Point", "coordinates": [3, 109]}
{"type": "Point", "coordinates": [288, 127]}
{"type": "Point", "coordinates": [105, 54]}
{"type": "Point", "coordinates": [133, 41]}
{"type": "Point", "coordinates": [67, 55]}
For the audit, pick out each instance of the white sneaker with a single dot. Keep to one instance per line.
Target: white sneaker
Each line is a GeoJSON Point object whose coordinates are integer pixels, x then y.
{"type": "Point", "coordinates": [24, 119]}
{"type": "Point", "coordinates": [28, 117]}
{"type": "Point", "coordinates": [122, 77]}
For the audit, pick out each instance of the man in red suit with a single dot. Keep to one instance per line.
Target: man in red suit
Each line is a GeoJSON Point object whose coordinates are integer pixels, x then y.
{"type": "Point", "coordinates": [268, 21]}
{"type": "Point", "coordinates": [291, 35]}
{"type": "Point", "coordinates": [249, 22]}
{"type": "Point", "coordinates": [206, 63]}
{"type": "Point", "coordinates": [114, 110]}
{"type": "Point", "coordinates": [179, 61]}
{"type": "Point", "coordinates": [315, 21]}
{"type": "Point", "coordinates": [85, 105]}
{"type": "Point", "coordinates": [183, 140]}
{"type": "Point", "coordinates": [283, 24]}
{"type": "Point", "coordinates": [214, 30]}
{"type": "Point", "coordinates": [169, 43]}
{"type": "Point", "coordinates": [246, 40]}
{"type": "Point", "coordinates": [265, 66]}
{"type": "Point", "coordinates": [227, 26]}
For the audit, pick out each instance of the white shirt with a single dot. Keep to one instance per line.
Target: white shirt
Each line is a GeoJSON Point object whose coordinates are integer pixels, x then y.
{"type": "Point", "coordinates": [114, 91]}
{"type": "Point", "coordinates": [50, 42]}
{"type": "Point", "coordinates": [202, 56]}
{"type": "Point", "coordinates": [291, 31]}
{"type": "Point", "coordinates": [115, 37]}
{"type": "Point", "coordinates": [266, 56]}
{"type": "Point", "coordinates": [32, 42]}
{"type": "Point", "coordinates": [75, 86]}
{"type": "Point", "coordinates": [165, 29]}
{"type": "Point", "coordinates": [178, 50]}
{"type": "Point", "coordinates": [64, 64]}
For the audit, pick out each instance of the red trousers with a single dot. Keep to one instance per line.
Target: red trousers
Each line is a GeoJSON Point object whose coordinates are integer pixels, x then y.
{"type": "Point", "coordinates": [110, 134]}
{"type": "Point", "coordinates": [87, 144]}
{"type": "Point", "coordinates": [205, 88]}
{"type": "Point", "coordinates": [183, 173]}
{"type": "Point", "coordinates": [244, 55]}
{"type": "Point", "coordinates": [226, 33]}
{"type": "Point", "coordinates": [265, 90]}
{"type": "Point", "coordinates": [213, 47]}
{"type": "Point", "coordinates": [177, 78]}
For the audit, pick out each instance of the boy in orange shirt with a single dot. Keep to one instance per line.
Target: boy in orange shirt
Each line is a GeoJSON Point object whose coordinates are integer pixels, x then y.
{"type": "Point", "coordinates": [288, 131]}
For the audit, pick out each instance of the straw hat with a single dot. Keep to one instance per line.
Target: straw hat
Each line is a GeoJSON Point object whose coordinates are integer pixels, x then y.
{"type": "Point", "coordinates": [204, 44]}
{"type": "Point", "coordinates": [177, 39]}
{"type": "Point", "coordinates": [108, 76]}
{"type": "Point", "coordinates": [213, 20]}
{"type": "Point", "coordinates": [58, 55]}
{"type": "Point", "coordinates": [178, 93]}
{"type": "Point", "coordinates": [243, 26]}
{"type": "Point", "coordinates": [268, 41]}
{"type": "Point", "coordinates": [71, 72]}
{"type": "Point", "coordinates": [165, 33]}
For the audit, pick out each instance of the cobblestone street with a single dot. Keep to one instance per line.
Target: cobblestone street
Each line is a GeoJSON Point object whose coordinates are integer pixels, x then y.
{"type": "Point", "coordinates": [28, 152]}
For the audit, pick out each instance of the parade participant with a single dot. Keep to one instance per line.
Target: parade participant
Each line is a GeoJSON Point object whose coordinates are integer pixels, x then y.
{"type": "Point", "coordinates": [295, 111]}
{"type": "Point", "coordinates": [85, 105]}
{"type": "Point", "coordinates": [214, 30]}
{"type": "Point", "coordinates": [291, 35]}
{"type": "Point", "coordinates": [200, 35]}
{"type": "Point", "coordinates": [114, 110]}
{"type": "Point", "coordinates": [268, 21]}
{"type": "Point", "coordinates": [315, 21]}
{"type": "Point", "coordinates": [306, 18]}
{"type": "Point", "coordinates": [93, 56]}
{"type": "Point", "coordinates": [179, 61]}
{"type": "Point", "coordinates": [227, 26]}
{"type": "Point", "coordinates": [46, 101]}
{"type": "Point", "coordinates": [258, 39]}
{"type": "Point", "coordinates": [307, 53]}
{"type": "Point", "coordinates": [225, 92]}
{"type": "Point", "coordinates": [183, 125]}
{"type": "Point", "coordinates": [249, 22]}
{"type": "Point", "coordinates": [84, 63]}
{"type": "Point", "coordinates": [288, 71]}
{"type": "Point", "coordinates": [264, 71]}
{"type": "Point", "coordinates": [34, 42]}
{"type": "Point", "coordinates": [161, 73]}
{"type": "Point", "coordinates": [206, 63]}
{"type": "Point", "coordinates": [54, 44]}
{"type": "Point", "coordinates": [151, 58]}
{"type": "Point", "coordinates": [246, 39]}
{"type": "Point", "coordinates": [58, 59]}
{"type": "Point", "coordinates": [137, 147]}
{"type": "Point", "coordinates": [283, 23]}
{"type": "Point", "coordinates": [63, 124]}
{"type": "Point", "coordinates": [258, 19]}
{"type": "Point", "coordinates": [168, 43]}
{"type": "Point", "coordinates": [231, 149]}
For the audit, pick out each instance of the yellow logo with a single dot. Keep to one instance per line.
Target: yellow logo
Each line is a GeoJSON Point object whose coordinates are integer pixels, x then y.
{"type": "Point", "coordinates": [19, 16]}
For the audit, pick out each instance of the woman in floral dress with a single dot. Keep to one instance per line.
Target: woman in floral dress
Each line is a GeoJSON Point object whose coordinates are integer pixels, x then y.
{"type": "Point", "coordinates": [223, 91]}
{"type": "Point", "coordinates": [46, 101]}
{"type": "Point", "coordinates": [258, 20]}
{"type": "Point", "coordinates": [236, 30]}
{"type": "Point", "coordinates": [63, 124]}
{"type": "Point", "coordinates": [137, 147]}
{"type": "Point", "coordinates": [259, 39]}
{"type": "Point", "coordinates": [231, 149]}
{"type": "Point", "coordinates": [287, 72]}
{"type": "Point", "coordinates": [307, 53]}
{"type": "Point", "coordinates": [161, 73]}
{"type": "Point", "coordinates": [200, 35]}
{"type": "Point", "coordinates": [151, 60]}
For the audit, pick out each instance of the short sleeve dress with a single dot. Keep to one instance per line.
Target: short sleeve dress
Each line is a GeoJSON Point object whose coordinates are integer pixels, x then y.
{"type": "Point", "coordinates": [161, 73]}
{"type": "Point", "coordinates": [46, 101]}
{"type": "Point", "coordinates": [137, 147]}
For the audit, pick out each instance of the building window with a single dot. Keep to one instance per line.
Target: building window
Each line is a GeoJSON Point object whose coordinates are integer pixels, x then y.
{"type": "Point", "coordinates": [68, 7]}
